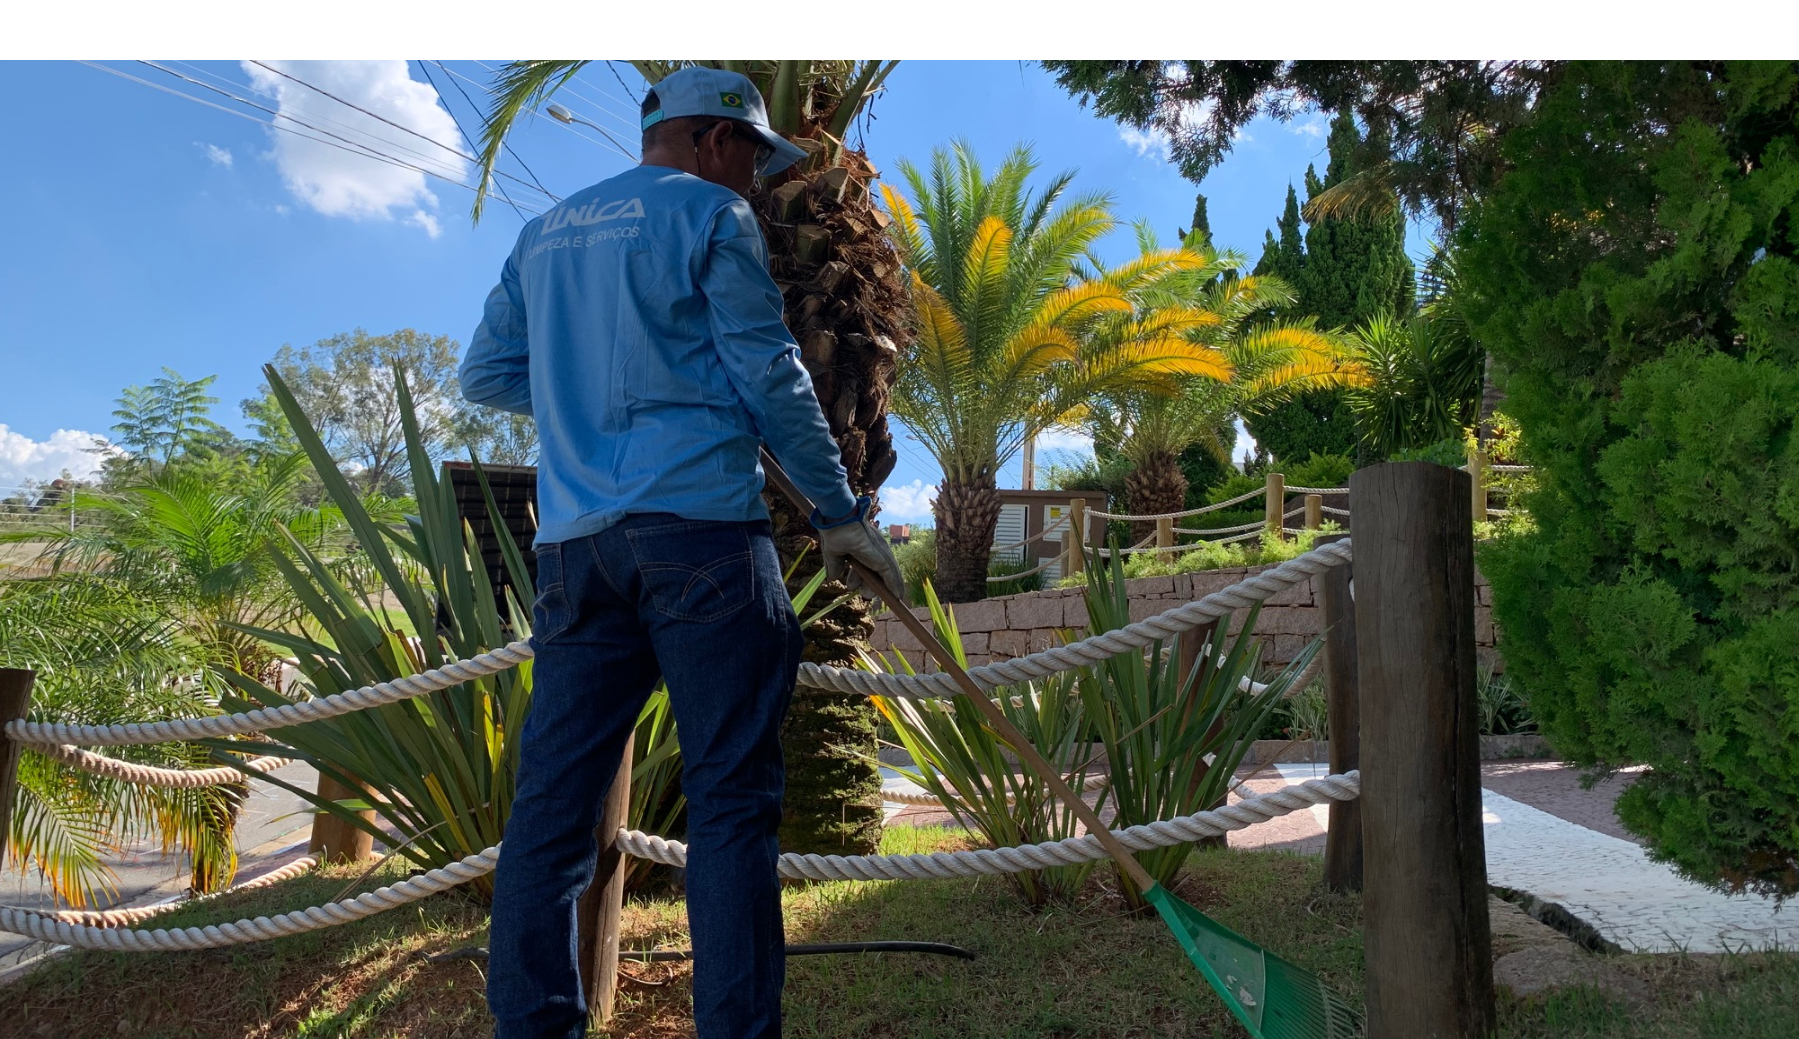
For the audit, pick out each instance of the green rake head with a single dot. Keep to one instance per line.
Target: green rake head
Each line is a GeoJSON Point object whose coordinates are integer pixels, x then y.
{"type": "Point", "coordinates": [1273, 998]}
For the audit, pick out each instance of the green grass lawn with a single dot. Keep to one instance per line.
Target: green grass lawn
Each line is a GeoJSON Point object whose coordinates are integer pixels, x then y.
{"type": "Point", "coordinates": [1088, 969]}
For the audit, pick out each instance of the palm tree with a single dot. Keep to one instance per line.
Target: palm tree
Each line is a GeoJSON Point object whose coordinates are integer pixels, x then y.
{"type": "Point", "coordinates": [1424, 381]}
{"type": "Point", "coordinates": [845, 303]}
{"type": "Point", "coordinates": [1014, 337]}
{"type": "Point", "coordinates": [197, 547]}
{"type": "Point", "coordinates": [104, 654]}
{"type": "Point", "coordinates": [1151, 423]}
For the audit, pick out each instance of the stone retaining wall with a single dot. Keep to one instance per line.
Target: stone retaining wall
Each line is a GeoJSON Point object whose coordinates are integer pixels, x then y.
{"type": "Point", "coordinates": [1016, 625]}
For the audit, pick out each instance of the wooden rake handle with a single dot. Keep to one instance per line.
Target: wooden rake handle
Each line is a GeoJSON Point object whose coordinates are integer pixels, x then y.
{"type": "Point", "coordinates": [983, 703]}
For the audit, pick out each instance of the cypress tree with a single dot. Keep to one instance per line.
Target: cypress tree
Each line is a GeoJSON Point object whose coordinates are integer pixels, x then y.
{"type": "Point", "coordinates": [1343, 271]}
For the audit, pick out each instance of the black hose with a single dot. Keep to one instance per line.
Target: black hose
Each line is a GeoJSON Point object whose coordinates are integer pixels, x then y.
{"type": "Point", "coordinates": [933, 948]}
{"type": "Point", "coordinates": [665, 955]}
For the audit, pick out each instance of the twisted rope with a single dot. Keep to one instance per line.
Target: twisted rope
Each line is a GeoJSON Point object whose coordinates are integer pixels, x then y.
{"type": "Point", "coordinates": [73, 929]}
{"type": "Point", "coordinates": [1227, 503]}
{"type": "Point", "coordinates": [455, 672]}
{"type": "Point", "coordinates": [1317, 490]}
{"type": "Point", "coordinates": [1094, 648]}
{"type": "Point", "coordinates": [1336, 512]}
{"type": "Point", "coordinates": [1045, 532]}
{"type": "Point", "coordinates": [150, 775]}
{"type": "Point", "coordinates": [1238, 529]}
{"type": "Point", "coordinates": [138, 914]}
{"type": "Point", "coordinates": [990, 861]}
{"type": "Point", "coordinates": [49, 927]}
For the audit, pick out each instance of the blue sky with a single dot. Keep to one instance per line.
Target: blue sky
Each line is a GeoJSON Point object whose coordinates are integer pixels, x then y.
{"type": "Point", "coordinates": [150, 231]}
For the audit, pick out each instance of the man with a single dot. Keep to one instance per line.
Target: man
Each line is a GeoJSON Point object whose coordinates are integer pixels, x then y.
{"type": "Point", "coordinates": [638, 324]}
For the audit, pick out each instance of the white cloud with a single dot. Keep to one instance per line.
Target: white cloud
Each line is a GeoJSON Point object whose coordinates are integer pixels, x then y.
{"type": "Point", "coordinates": [1314, 125]}
{"type": "Point", "coordinates": [908, 502]}
{"type": "Point", "coordinates": [1151, 144]}
{"type": "Point", "coordinates": [420, 218]}
{"type": "Point", "coordinates": [22, 458]}
{"type": "Point", "coordinates": [336, 182]}
{"type": "Point", "coordinates": [216, 155]}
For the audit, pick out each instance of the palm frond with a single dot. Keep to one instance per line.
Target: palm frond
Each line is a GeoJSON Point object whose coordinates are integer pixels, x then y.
{"type": "Point", "coordinates": [520, 87]}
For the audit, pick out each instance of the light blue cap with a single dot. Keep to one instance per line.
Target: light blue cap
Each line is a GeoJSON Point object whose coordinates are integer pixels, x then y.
{"type": "Point", "coordinates": [730, 95]}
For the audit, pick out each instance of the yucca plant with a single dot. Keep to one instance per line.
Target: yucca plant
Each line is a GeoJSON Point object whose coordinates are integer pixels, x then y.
{"type": "Point", "coordinates": [439, 769]}
{"type": "Point", "coordinates": [1159, 725]}
{"type": "Point", "coordinates": [965, 765]}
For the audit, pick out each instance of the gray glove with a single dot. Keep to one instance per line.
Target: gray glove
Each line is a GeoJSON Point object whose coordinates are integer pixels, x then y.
{"type": "Point", "coordinates": [856, 539]}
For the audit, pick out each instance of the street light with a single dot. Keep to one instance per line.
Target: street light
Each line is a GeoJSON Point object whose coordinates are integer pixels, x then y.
{"type": "Point", "coordinates": [565, 117]}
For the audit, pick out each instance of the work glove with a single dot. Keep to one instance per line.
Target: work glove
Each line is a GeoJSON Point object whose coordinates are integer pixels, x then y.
{"type": "Point", "coordinates": [853, 537]}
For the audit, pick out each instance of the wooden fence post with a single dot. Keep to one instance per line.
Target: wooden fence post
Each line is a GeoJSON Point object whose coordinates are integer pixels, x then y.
{"type": "Point", "coordinates": [1343, 840]}
{"type": "Point", "coordinates": [1076, 539]}
{"type": "Point", "coordinates": [1427, 937]}
{"type": "Point", "coordinates": [1314, 512]}
{"type": "Point", "coordinates": [1274, 503]}
{"type": "Point", "coordinates": [1164, 533]}
{"type": "Point", "coordinates": [333, 839]}
{"type": "Point", "coordinates": [15, 703]}
{"type": "Point", "coordinates": [1477, 470]}
{"type": "Point", "coordinates": [600, 911]}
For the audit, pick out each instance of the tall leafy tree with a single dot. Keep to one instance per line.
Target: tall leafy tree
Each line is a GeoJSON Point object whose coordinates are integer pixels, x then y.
{"type": "Point", "coordinates": [845, 303]}
{"type": "Point", "coordinates": [1637, 272]}
{"type": "Point", "coordinates": [1344, 271]}
{"type": "Point", "coordinates": [1435, 127]}
{"type": "Point", "coordinates": [167, 417]}
{"type": "Point", "coordinates": [345, 385]}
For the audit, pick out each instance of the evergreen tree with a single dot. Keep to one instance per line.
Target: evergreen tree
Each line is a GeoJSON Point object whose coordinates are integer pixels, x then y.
{"type": "Point", "coordinates": [1201, 225]}
{"type": "Point", "coordinates": [1343, 272]}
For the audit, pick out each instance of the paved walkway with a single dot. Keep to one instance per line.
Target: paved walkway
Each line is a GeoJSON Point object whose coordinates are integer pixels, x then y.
{"type": "Point", "coordinates": [1548, 836]}
{"type": "Point", "coordinates": [272, 831]}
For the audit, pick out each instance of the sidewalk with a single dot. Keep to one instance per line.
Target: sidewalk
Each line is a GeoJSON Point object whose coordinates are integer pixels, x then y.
{"type": "Point", "coordinates": [272, 831]}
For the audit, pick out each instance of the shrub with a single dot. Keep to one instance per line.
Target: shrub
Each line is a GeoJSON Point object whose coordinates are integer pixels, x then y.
{"type": "Point", "coordinates": [1637, 277]}
{"type": "Point", "coordinates": [1320, 471]}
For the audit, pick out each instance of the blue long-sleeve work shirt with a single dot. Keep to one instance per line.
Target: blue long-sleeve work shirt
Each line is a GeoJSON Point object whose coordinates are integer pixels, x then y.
{"type": "Point", "coordinates": [638, 324]}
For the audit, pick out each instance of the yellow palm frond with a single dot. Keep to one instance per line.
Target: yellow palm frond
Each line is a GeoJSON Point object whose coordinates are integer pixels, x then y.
{"type": "Point", "coordinates": [1156, 356]}
{"type": "Point", "coordinates": [1077, 303]}
{"type": "Point", "coordinates": [984, 272]}
{"type": "Point", "coordinates": [1038, 347]}
{"type": "Point", "coordinates": [1155, 265]}
{"type": "Point", "coordinates": [940, 334]}
{"type": "Point", "coordinates": [905, 228]}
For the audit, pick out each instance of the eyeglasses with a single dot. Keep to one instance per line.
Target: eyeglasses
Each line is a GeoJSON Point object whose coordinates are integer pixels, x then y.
{"type": "Point", "coordinates": [765, 152]}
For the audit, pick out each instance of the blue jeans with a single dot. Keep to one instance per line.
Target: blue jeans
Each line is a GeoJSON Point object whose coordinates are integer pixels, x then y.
{"type": "Point", "coordinates": [702, 605]}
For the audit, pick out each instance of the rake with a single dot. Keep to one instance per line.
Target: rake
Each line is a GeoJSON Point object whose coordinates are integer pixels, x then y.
{"type": "Point", "coordinates": [1272, 998]}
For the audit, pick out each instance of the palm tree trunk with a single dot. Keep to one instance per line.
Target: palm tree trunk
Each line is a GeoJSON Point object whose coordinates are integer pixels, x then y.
{"type": "Point", "coordinates": [1156, 486]}
{"type": "Point", "coordinates": [846, 306]}
{"type": "Point", "coordinates": [967, 513]}
{"type": "Point", "coordinates": [1491, 398]}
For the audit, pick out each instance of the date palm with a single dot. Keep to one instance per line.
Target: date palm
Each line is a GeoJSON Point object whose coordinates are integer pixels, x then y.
{"type": "Point", "coordinates": [845, 303]}
{"type": "Point", "coordinates": [1015, 337]}
{"type": "Point", "coordinates": [1150, 423]}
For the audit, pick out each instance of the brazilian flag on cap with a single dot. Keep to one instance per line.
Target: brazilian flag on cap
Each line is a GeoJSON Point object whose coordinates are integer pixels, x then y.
{"type": "Point", "coordinates": [730, 100]}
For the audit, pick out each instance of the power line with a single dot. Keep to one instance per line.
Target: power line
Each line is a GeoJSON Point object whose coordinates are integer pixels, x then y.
{"type": "Point", "coordinates": [407, 129]}
{"type": "Point", "coordinates": [471, 144]}
{"type": "Point", "coordinates": [295, 119]}
{"type": "Point", "coordinates": [352, 148]}
{"type": "Point", "coordinates": [557, 122]}
{"type": "Point", "coordinates": [477, 110]}
{"type": "Point", "coordinates": [385, 141]}
{"type": "Point", "coordinates": [621, 82]}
